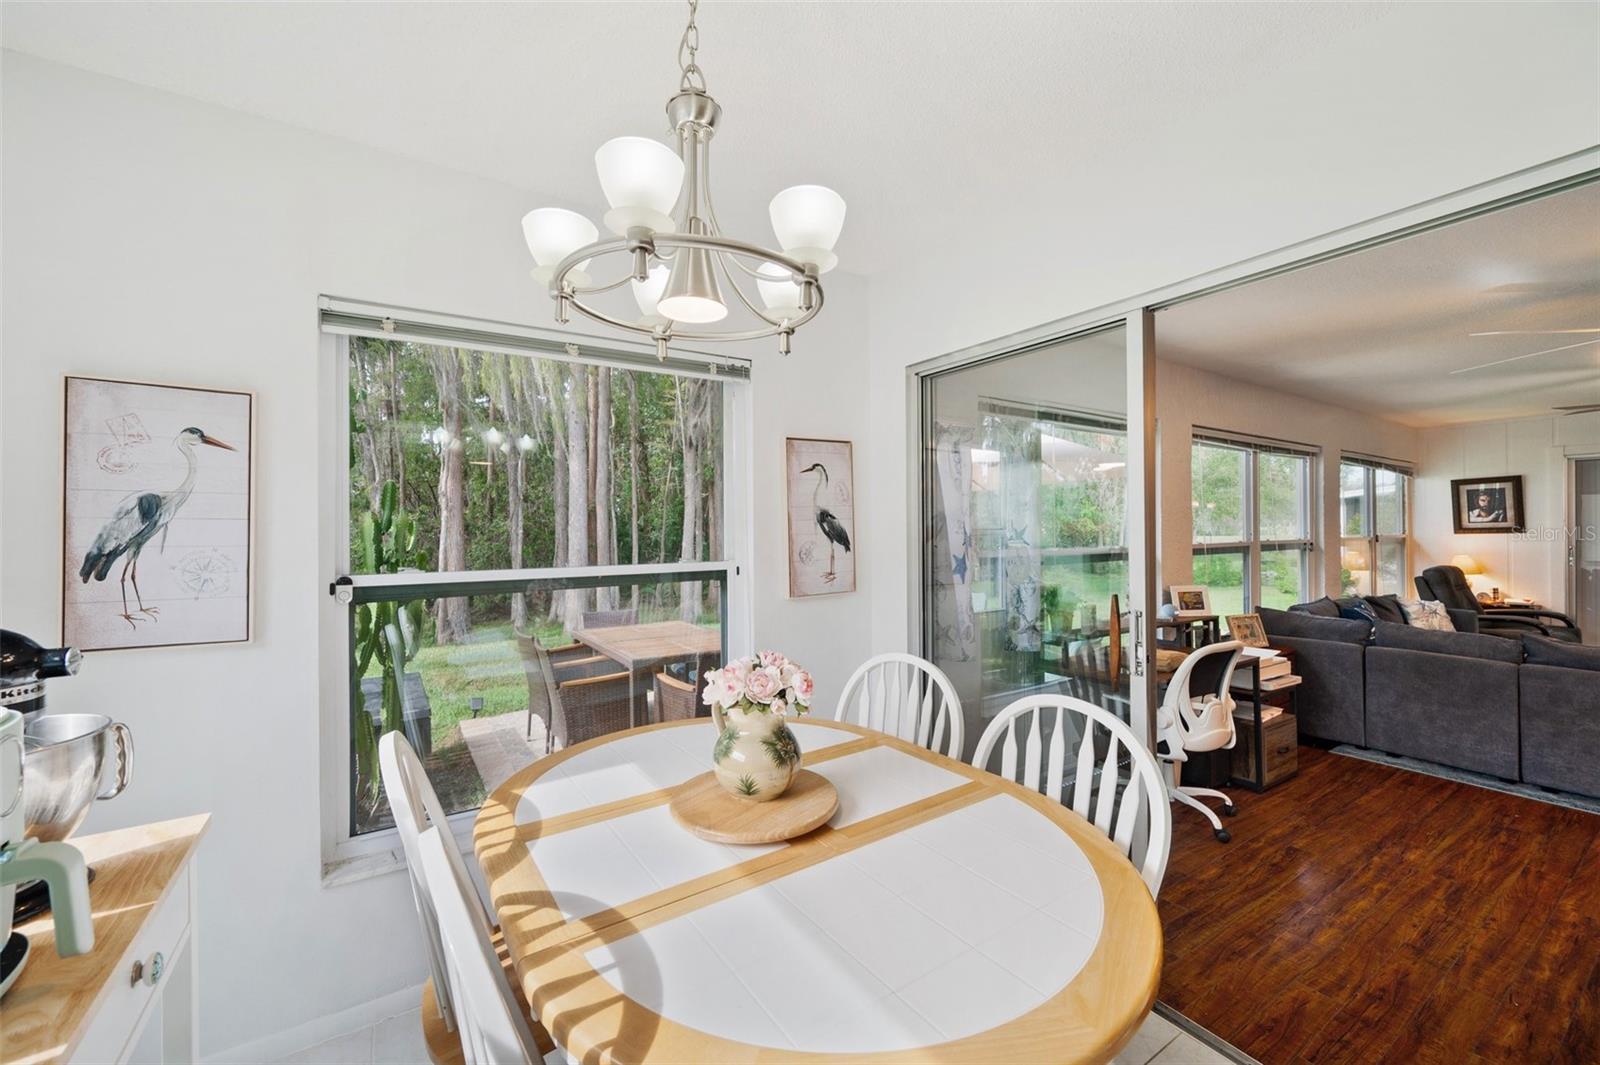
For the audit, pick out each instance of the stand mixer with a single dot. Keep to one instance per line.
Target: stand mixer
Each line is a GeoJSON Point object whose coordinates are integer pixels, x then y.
{"type": "Point", "coordinates": [59, 866]}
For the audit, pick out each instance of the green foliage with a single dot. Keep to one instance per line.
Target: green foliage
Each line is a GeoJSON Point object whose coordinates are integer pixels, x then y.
{"type": "Point", "coordinates": [725, 741]}
{"type": "Point", "coordinates": [387, 634]}
{"type": "Point", "coordinates": [748, 786]}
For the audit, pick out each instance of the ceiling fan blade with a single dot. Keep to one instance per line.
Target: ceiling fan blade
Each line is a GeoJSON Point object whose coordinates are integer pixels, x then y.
{"type": "Point", "coordinates": [1530, 332]}
{"type": "Point", "coordinates": [1567, 412]}
{"type": "Point", "coordinates": [1519, 358]}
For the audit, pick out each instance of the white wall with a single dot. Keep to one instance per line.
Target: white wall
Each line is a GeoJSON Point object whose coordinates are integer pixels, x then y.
{"type": "Point", "coordinates": [1426, 101]}
{"type": "Point", "coordinates": [1187, 397]}
{"type": "Point", "coordinates": [1532, 565]}
{"type": "Point", "coordinates": [150, 237]}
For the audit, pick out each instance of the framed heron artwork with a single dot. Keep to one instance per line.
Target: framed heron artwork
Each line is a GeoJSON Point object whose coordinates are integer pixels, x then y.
{"type": "Point", "coordinates": [822, 516]}
{"type": "Point", "coordinates": [156, 515]}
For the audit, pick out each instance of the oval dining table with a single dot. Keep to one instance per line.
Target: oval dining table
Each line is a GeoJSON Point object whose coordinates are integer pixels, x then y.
{"type": "Point", "coordinates": [942, 914]}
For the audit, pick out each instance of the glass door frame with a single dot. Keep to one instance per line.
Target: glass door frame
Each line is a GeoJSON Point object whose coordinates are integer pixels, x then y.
{"type": "Point", "coordinates": [1139, 328]}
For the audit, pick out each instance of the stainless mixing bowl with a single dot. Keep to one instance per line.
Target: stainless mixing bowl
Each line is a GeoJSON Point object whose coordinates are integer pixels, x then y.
{"type": "Point", "coordinates": [64, 757]}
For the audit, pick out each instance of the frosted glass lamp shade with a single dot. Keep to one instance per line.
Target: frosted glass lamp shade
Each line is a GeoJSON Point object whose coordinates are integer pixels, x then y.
{"type": "Point", "coordinates": [692, 295]}
{"type": "Point", "coordinates": [647, 293]}
{"type": "Point", "coordinates": [1467, 565]}
{"type": "Point", "coordinates": [554, 233]}
{"type": "Point", "coordinates": [807, 220]}
{"type": "Point", "coordinates": [641, 178]}
{"type": "Point", "coordinates": [780, 293]}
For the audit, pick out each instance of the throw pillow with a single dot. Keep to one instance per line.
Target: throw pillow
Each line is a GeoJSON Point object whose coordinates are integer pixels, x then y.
{"type": "Point", "coordinates": [1427, 615]}
{"type": "Point", "coordinates": [1323, 607]}
{"type": "Point", "coordinates": [1387, 608]}
{"type": "Point", "coordinates": [1358, 610]}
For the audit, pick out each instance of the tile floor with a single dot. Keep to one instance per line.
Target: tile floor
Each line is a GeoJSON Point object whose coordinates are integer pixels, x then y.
{"type": "Point", "coordinates": [398, 1041]}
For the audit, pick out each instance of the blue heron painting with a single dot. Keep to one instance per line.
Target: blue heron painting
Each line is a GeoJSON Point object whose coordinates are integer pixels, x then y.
{"type": "Point", "coordinates": [833, 529]}
{"type": "Point", "coordinates": [136, 521]}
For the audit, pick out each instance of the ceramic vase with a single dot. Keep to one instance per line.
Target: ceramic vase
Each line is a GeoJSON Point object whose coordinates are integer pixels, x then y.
{"type": "Point", "coordinates": [756, 755]}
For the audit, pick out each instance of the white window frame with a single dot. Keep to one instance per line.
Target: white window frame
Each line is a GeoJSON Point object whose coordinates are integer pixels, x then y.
{"type": "Point", "coordinates": [347, 858]}
{"type": "Point", "coordinates": [1253, 547]}
{"type": "Point", "coordinates": [1373, 540]}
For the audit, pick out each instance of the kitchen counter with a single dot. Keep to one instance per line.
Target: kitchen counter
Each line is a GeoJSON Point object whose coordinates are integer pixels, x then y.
{"type": "Point", "coordinates": [136, 989]}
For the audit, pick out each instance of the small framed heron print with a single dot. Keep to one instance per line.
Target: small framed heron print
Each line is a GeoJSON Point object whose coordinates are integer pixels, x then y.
{"type": "Point", "coordinates": [822, 516]}
{"type": "Point", "coordinates": [156, 515]}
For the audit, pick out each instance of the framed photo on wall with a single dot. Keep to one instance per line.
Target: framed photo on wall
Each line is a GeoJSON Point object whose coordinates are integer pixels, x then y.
{"type": "Point", "coordinates": [822, 516]}
{"type": "Point", "coordinates": [156, 515]}
{"type": "Point", "coordinates": [1487, 504]}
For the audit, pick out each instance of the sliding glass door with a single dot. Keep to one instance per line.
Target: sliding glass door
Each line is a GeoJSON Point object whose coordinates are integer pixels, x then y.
{"type": "Point", "coordinates": [1034, 572]}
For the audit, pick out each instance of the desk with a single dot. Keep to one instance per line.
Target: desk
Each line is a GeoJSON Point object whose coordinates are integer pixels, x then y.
{"type": "Point", "coordinates": [90, 1008]}
{"type": "Point", "coordinates": [643, 647]}
{"type": "Point", "coordinates": [941, 907]}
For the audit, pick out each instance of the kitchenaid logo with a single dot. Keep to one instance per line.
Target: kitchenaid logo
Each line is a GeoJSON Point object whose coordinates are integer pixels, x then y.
{"type": "Point", "coordinates": [1548, 534]}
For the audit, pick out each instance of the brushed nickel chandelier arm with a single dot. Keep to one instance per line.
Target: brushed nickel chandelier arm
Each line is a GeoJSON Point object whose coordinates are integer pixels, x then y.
{"type": "Point", "coordinates": [664, 221]}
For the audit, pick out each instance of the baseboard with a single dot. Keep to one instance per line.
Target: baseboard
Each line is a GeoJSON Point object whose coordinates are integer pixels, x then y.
{"type": "Point", "coordinates": [320, 1030]}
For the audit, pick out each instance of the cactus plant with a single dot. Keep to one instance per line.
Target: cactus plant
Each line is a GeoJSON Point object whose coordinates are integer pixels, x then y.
{"type": "Point", "coordinates": [386, 542]}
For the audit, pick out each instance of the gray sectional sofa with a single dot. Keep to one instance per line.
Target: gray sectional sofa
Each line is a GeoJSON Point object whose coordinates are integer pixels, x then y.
{"type": "Point", "coordinates": [1521, 709]}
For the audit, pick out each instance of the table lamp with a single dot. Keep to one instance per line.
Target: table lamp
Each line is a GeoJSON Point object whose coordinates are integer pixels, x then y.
{"type": "Point", "coordinates": [1472, 568]}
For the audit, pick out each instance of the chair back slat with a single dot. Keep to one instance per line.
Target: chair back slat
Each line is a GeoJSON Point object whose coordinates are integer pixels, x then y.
{"type": "Point", "coordinates": [1107, 796]}
{"type": "Point", "coordinates": [1120, 806]}
{"type": "Point", "coordinates": [907, 697]}
{"type": "Point", "coordinates": [490, 1015]}
{"type": "Point", "coordinates": [1083, 783]}
{"type": "Point", "coordinates": [1057, 760]}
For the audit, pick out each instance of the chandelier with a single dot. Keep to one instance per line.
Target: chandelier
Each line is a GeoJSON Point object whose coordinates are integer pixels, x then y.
{"type": "Point", "coordinates": [678, 263]}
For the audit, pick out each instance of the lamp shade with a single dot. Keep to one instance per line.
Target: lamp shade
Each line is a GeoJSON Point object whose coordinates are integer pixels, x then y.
{"type": "Point", "coordinates": [553, 233]}
{"type": "Point", "coordinates": [641, 178]}
{"type": "Point", "coordinates": [1466, 564]}
{"type": "Point", "coordinates": [780, 293]}
{"type": "Point", "coordinates": [647, 293]}
{"type": "Point", "coordinates": [807, 220]}
{"type": "Point", "coordinates": [692, 295]}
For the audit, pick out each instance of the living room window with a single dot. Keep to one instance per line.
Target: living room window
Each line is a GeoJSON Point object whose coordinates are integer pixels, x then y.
{"type": "Point", "coordinates": [508, 501]}
{"type": "Point", "coordinates": [1374, 523]}
{"type": "Point", "coordinates": [1252, 506]}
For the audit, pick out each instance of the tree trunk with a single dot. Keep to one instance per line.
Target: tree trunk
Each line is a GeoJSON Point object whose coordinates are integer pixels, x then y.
{"type": "Point", "coordinates": [633, 479]}
{"type": "Point", "coordinates": [514, 475]}
{"type": "Point", "coordinates": [450, 612]}
{"type": "Point", "coordinates": [600, 461]}
{"type": "Point", "coordinates": [549, 380]}
{"type": "Point", "coordinates": [577, 414]}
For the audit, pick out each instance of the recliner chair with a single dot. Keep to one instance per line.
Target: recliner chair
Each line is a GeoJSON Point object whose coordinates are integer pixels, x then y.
{"type": "Point", "coordinates": [1448, 585]}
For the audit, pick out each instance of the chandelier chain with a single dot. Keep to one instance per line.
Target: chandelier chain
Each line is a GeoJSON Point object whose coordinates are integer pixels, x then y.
{"type": "Point", "coordinates": [693, 79]}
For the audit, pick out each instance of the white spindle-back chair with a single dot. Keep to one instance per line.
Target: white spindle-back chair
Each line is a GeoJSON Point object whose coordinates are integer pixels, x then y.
{"type": "Point", "coordinates": [490, 1020]}
{"type": "Point", "coordinates": [1095, 775]}
{"type": "Point", "coordinates": [416, 809]}
{"type": "Point", "coordinates": [907, 697]}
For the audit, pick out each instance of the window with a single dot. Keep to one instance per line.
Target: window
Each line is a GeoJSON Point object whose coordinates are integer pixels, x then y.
{"type": "Point", "coordinates": [1374, 510]}
{"type": "Point", "coordinates": [1252, 522]}
{"type": "Point", "coordinates": [509, 500]}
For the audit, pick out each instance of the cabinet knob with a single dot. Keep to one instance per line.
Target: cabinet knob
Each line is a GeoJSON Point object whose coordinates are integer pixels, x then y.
{"type": "Point", "coordinates": [149, 972]}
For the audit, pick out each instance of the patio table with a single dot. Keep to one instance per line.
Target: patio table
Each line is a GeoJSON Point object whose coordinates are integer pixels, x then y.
{"type": "Point", "coordinates": [643, 647]}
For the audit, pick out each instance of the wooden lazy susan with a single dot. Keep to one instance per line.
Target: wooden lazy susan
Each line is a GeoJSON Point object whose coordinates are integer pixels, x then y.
{"type": "Point", "coordinates": [705, 808]}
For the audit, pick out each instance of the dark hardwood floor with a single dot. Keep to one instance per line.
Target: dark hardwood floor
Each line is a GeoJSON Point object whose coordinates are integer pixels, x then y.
{"type": "Point", "coordinates": [1367, 914]}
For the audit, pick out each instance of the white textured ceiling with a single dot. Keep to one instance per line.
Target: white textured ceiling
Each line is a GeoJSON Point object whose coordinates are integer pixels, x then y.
{"type": "Point", "coordinates": [927, 117]}
{"type": "Point", "coordinates": [1383, 329]}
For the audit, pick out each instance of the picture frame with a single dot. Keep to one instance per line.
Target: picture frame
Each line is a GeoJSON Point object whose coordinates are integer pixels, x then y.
{"type": "Point", "coordinates": [819, 483]}
{"type": "Point", "coordinates": [1487, 504]}
{"type": "Point", "coordinates": [1190, 600]}
{"type": "Point", "coordinates": [1247, 629]}
{"type": "Point", "coordinates": [158, 514]}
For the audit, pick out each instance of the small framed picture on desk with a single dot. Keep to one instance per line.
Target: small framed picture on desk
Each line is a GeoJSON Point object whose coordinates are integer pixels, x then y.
{"type": "Point", "coordinates": [1190, 600]}
{"type": "Point", "coordinates": [1247, 629]}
